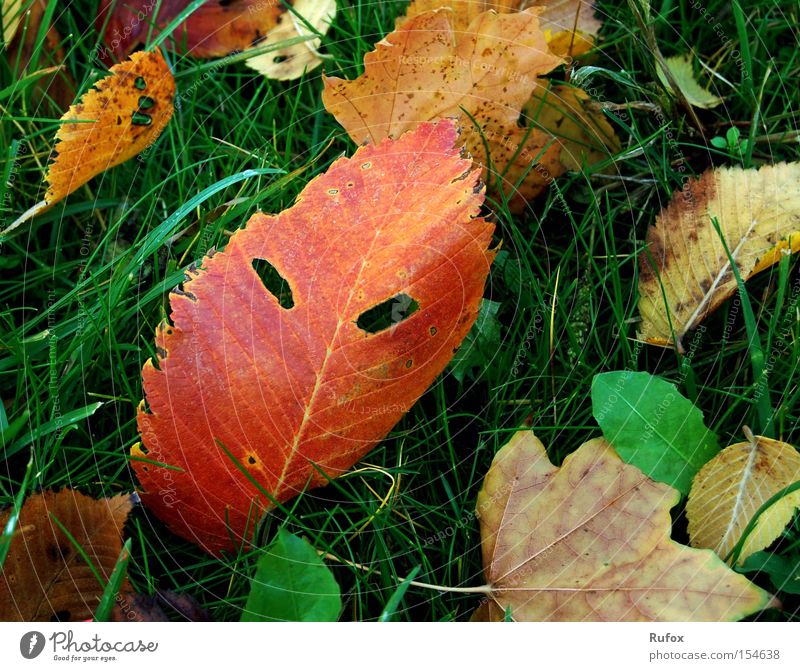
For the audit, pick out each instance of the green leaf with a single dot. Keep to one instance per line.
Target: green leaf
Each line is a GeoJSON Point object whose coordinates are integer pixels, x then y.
{"type": "Point", "coordinates": [652, 426]}
{"type": "Point", "coordinates": [292, 584]}
{"type": "Point", "coordinates": [783, 571]}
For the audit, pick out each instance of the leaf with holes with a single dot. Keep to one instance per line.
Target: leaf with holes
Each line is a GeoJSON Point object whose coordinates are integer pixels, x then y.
{"type": "Point", "coordinates": [45, 576]}
{"type": "Point", "coordinates": [121, 116]}
{"type": "Point", "coordinates": [570, 26]}
{"type": "Point", "coordinates": [591, 541]}
{"type": "Point", "coordinates": [429, 69]}
{"type": "Point", "coordinates": [264, 388]}
{"type": "Point", "coordinates": [685, 271]}
{"type": "Point", "coordinates": [730, 489]}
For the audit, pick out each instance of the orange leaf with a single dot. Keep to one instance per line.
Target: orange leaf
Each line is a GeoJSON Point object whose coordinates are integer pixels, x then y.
{"type": "Point", "coordinates": [484, 75]}
{"type": "Point", "coordinates": [216, 28]}
{"type": "Point", "coordinates": [121, 116]}
{"type": "Point", "coordinates": [591, 541]}
{"type": "Point", "coordinates": [44, 577]}
{"type": "Point", "coordinates": [570, 26]}
{"type": "Point", "coordinates": [299, 394]}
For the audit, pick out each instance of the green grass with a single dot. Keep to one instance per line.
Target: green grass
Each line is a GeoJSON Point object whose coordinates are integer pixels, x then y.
{"type": "Point", "coordinates": [84, 286]}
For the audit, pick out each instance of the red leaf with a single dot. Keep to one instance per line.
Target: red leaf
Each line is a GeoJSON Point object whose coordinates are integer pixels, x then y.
{"type": "Point", "coordinates": [287, 389]}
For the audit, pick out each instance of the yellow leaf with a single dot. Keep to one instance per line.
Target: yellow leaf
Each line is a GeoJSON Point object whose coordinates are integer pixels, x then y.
{"type": "Point", "coordinates": [121, 116]}
{"type": "Point", "coordinates": [680, 67]}
{"type": "Point", "coordinates": [12, 14]}
{"type": "Point", "coordinates": [685, 273]}
{"type": "Point", "coordinates": [45, 577]}
{"type": "Point", "coordinates": [591, 541]}
{"type": "Point", "coordinates": [292, 61]}
{"type": "Point", "coordinates": [729, 490]}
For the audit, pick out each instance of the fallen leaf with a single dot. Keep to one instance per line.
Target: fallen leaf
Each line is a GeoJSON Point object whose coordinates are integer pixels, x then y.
{"type": "Point", "coordinates": [292, 584]}
{"type": "Point", "coordinates": [13, 11]}
{"type": "Point", "coordinates": [293, 61]}
{"type": "Point", "coordinates": [121, 116]}
{"type": "Point", "coordinates": [591, 541]}
{"type": "Point", "coordinates": [681, 69]}
{"type": "Point", "coordinates": [221, 27]}
{"type": "Point", "coordinates": [569, 26]}
{"type": "Point", "coordinates": [298, 394]}
{"type": "Point", "coordinates": [427, 70]}
{"type": "Point", "coordinates": [685, 273]}
{"type": "Point", "coordinates": [653, 426]}
{"type": "Point", "coordinates": [44, 577]}
{"type": "Point", "coordinates": [730, 489]}
{"type": "Point", "coordinates": [215, 28]}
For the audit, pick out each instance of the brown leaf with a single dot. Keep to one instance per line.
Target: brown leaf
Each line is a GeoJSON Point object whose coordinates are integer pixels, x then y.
{"type": "Point", "coordinates": [685, 273]}
{"type": "Point", "coordinates": [45, 577]}
{"type": "Point", "coordinates": [132, 607]}
{"type": "Point", "coordinates": [294, 383]}
{"type": "Point", "coordinates": [730, 489]}
{"type": "Point", "coordinates": [591, 541]}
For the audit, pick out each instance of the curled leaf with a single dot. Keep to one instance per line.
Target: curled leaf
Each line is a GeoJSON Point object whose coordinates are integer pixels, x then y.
{"type": "Point", "coordinates": [292, 61]}
{"type": "Point", "coordinates": [685, 273]}
{"type": "Point", "coordinates": [730, 489]}
{"type": "Point", "coordinates": [591, 541]}
{"type": "Point", "coordinates": [266, 387]}
{"type": "Point", "coordinates": [45, 577]}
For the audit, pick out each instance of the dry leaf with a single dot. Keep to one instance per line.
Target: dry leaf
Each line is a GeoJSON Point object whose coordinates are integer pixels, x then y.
{"type": "Point", "coordinates": [680, 67]}
{"type": "Point", "coordinates": [758, 212]}
{"type": "Point", "coordinates": [570, 26]}
{"type": "Point", "coordinates": [215, 28]}
{"type": "Point", "coordinates": [591, 541]}
{"type": "Point", "coordinates": [44, 577]}
{"type": "Point", "coordinates": [295, 392]}
{"type": "Point", "coordinates": [293, 61]}
{"type": "Point", "coordinates": [729, 490]}
{"type": "Point", "coordinates": [121, 116]}
{"type": "Point", "coordinates": [13, 11]}
{"type": "Point", "coordinates": [427, 70]}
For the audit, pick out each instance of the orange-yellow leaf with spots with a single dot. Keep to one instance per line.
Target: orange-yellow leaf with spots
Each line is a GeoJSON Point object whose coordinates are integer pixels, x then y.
{"type": "Point", "coordinates": [570, 26]}
{"type": "Point", "coordinates": [590, 541]}
{"type": "Point", "coordinates": [121, 116]}
{"type": "Point", "coordinates": [256, 398]}
{"type": "Point", "coordinates": [485, 76]}
{"type": "Point", "coordinates": [45, 576]}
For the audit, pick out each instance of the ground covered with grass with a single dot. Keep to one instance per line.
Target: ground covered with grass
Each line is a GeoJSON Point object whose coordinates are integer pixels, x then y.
{"type": "Point", "coordinates": [84, 286]}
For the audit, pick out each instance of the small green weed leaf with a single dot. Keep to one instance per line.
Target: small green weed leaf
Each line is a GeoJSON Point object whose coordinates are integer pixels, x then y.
{"type": "Point", "coordinates": [652, 426]}
{"type": "Point", "coordinates": [783, 570]}
{"type": "Point", "coordinates": [292, 584]}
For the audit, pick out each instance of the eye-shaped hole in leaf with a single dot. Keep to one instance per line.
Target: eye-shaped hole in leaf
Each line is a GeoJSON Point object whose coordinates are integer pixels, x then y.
{"type": "Point", "coordinates": [274, 283]}
{"type": "Point", "coordinates": [387, 314]}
